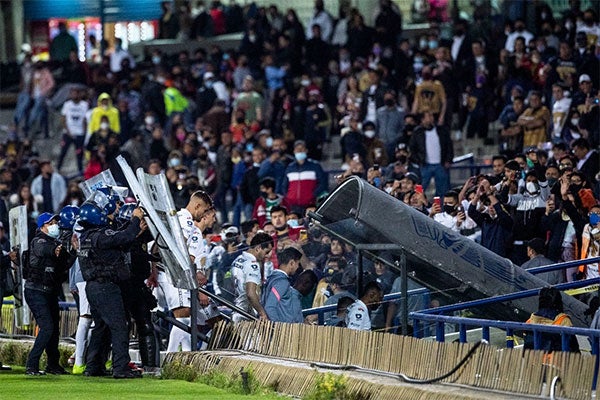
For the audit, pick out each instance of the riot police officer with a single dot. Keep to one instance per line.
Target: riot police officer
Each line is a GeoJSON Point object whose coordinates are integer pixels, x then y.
{"type": "Point", "coordinates": [44, 276]}
{"type": "Point", "coordinates": [102, 263]}
{"type": "Point", "coordinates": [137, 297]}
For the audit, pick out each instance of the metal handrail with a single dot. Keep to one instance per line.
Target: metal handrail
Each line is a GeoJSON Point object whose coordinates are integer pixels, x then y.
{"type": "Point", "coordinates": [320, 311]}
{"type": "Point", "coordinates": [563, 265]}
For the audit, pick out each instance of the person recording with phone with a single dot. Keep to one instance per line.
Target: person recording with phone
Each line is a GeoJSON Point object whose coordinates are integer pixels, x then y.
{"type": "Point", "coordinates": [451, 214]}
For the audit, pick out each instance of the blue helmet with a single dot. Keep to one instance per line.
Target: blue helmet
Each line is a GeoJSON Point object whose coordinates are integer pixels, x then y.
{"type": "Point", "coordinates": [92, 214]}
{"type": "Point", "coordinates": [67, 217]}
{"type": "Point", "coordinates": [111, 205]}
{"type": "Point", "coordinates": [126, 211]}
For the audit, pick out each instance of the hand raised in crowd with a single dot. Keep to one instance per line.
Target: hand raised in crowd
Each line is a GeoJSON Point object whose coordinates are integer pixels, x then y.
{"type": "Point", "coordinates": [138, 212]}
{"type": "Point", "coordinates": [57, 250]}
{"type": "Point", "coordinates": [435, 209]}
{"type": "Point", "coordinates": [143, 225]}
{"type": "Point", "coordinates": [13, 256]}
{"type": "Point", "coordinates": [75, 242]}
{"type": "Point", "coordinates": [550, 205]}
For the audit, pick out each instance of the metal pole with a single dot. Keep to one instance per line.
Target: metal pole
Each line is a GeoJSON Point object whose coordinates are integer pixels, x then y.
{"type": "Point", "coordinates": [359, 275]}
{"type": "Point", "coordinates": [194, 313]}
{"type": "Point", "coordinates": [404, 290]}
{"type": "Point", "coordinates": [102, 22]}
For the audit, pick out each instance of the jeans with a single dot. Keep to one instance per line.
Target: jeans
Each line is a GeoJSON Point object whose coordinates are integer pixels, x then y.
{"type": "Point", "coordinates": [22, 109]}
{"type": "Point", "coordinates": [39, 113]}
{"type": "Point", "coordinates": [108, 313]}
{"type": "Point", "coordinates": [239, 208]}
{"type": "Point", "coordinates": [66, 142]}
{"type": "Point", "coordinates": [441, 176]}
{"type": "Point", "coordinates": [44, 307]}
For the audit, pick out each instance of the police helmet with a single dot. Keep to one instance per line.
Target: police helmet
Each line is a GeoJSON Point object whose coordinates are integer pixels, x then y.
{"type": "Point", "coordinates": [112, 198]}
{"type": "Point", "coordinates": [126, 211]}
{"type": "Point", "coordinates": [91, 214]}
{"type": "Point", "coordinates": [67, 217]}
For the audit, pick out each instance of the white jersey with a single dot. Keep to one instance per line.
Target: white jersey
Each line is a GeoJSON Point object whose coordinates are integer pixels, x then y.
{"type": "Point", "coordinates": [357, 316]}
{"type": "Point", "coordinates": [196, 245]}
{"type": "Point", "coordinates": [245, 268]}
{"type": "Point", "coordinates": [75, 116]}
{"type": "Point", "coordinates": [560, 111]}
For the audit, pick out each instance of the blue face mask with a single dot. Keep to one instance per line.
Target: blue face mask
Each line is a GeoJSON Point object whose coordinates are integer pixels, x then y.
{"type": "Point", "coordinates": [594, 219]}
{"type": "Point", "coordinates": [269, 142]}
{"type": "Point", "coordinates": [300, 156]}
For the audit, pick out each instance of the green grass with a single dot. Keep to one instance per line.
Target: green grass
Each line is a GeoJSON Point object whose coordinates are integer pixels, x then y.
{"type": "Point", "coordinates": [15, 385]}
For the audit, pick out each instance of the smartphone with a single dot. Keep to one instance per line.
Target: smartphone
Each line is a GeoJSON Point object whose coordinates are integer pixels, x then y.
{"type": "Point", "coordinates": [419, 189]}
{"type": "Point", "coordinates": [437, 200]}
{"type": "Point", "coordinates": [303, 234]}
{"type": "Point", "coordinates": [375, 167]}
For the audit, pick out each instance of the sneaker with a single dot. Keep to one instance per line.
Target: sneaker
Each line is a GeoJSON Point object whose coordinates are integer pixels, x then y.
{"type": "Point", "coordinates": [108, 364]}
{"type": "Point", "coordinates": [34, 372]}
{"type": "Point", "coordinates": [56, 371]}
{"type": "Point", "coordinates": [5, 367]}
{"type": "Point", "coordinates": [78, 369]}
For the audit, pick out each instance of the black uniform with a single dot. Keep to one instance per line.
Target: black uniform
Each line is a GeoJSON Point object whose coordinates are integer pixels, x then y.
{"type": "Point", "coordinates": [103, 266]}
{"type": "Point", "coordinates": [138, 299]}
{"type": "Point", "coordinates": [44, 276]}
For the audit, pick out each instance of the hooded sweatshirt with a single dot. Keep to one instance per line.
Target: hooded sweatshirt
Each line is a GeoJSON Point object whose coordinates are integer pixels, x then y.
{"type": "Point", "coordinates": [98, 112]}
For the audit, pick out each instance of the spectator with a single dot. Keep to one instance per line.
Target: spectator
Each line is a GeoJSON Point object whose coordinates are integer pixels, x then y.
{"type": "Point", "coordinates": [168, 25]}
{"type": "Point", "coordinates": [535, 121]}
{"type": "Point", "coordinates": [430, 96]}
{"type": "Point", "coordinates": [390, 122]}
{"type": "Point", "coordinates": [315, 49]}
{"type": "Point", "coordinates": [388, 24]}
{"type": "Point", "coordinates": [74, 128]}
{"type": "Point", "coordinates": [535, 252]}
{"type": "Point", "coordinates": [588, 160]}
{"type": "Point", "coordinates": [304, 179]}
{"type": "Point", "coordinates": [432, 150]}
{"type": "Point", "coordinates": [267, 201]}
{"type": "Point", "coordinates": [62, 44]}
{"type": "Point", "coordinates": [42, 85]}
{"type": "Point", "coordinates": [520, 32]}
{"type": "Point", "coordinates": [249, 101]}
{"type": "Point", "coordinates": [119, 55]}
{"type": "Point", "coordinates": [492, 217]}
{"type": "Point", "coordinates": [511, 134]}
{"type": "Point", "coordinates": [51, 186]}
{"type": "Point", "coordinates": [104, 109]}
{"type": "Point", "coordinates": [560, 112]}
{"type": "Point", "coordinates": [591, 244]}
{"type": "Point", "coordinates": [321, 18]}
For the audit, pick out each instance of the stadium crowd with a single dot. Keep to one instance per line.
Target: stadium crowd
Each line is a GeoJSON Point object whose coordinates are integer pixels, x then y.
{"type": "Point", "coordinates": [249, 128]}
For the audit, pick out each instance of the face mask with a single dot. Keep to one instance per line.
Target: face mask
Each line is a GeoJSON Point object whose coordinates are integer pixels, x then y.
{"type": "Point", "coordinates": [551, 181]}
{"type": "Point", "coordinates": [53, 231]}
{"type": "Point", "coordinates": [269, 142]}
{"type": "Point", "coordinates": [256, 164]}
{"type": "Point", "coordinates": [156, 60]}
{"type": "Point", "coordinates": [448, 209]}
{"type": "Point", "coordinates": [104, 125]}
{"type": "Point", "coordinates": [236, 160]}
{"type": "Point", "coordinates": [293, 223]}
{"type": "Point", "coordinates": [433, 44]}
{"type": "Point", "coordinates": [594, 219]}
{"type": "Point", "coordinates": [203, 157]}
{"type": "Point", "coordinates": [35, 214]}
{"type": "Point", "coordinates": [574, 188]}
{"type": "Point", "coordinates": [370, 134]}
{"type": "Point", "coordinates": [532, 187]}
{"type": "Point", "coordinates": [388, 190]}
{"type": "Point", "coordinates": [305, 82]}
{"type": "Point", "coordinates": [422, 44]}
{"type": "Point", "coordinates": [239, 120]}
{"type": "Point", "coordinates": [409, 128]}
{"type": "Point", "coordinates": [149, 120]}
{"type": "Point", "coordinates": [574, 121]}
{"type": "Point", "coordinates": [300, 156]}
{"type": "Point", "coordinates": [377, 51]}
{"type": "Point", "coordinates": [263, 194]}
{"type": "Point", "coordinates": [389, 102]}
{"type": "Point", "coordinates": [208, 84]}
{"type": "Point", "coordinates": [174, 162]}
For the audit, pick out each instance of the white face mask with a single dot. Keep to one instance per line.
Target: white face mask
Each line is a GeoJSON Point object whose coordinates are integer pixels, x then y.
{"type": "Point", "coordinates": [149, 120]}
{"type": "Point", "coordinates": [370, 134]}
{"type": "Point", "coordinates": [388, 190]}
{"type": "Point", "coordinates": [104, 125]}
{"type": "Point", "coordinates": [575, 121]}
{"type": "Point", "coordinates": [53, 231]}
{"type": "Point", "coordinates": [532, 187]}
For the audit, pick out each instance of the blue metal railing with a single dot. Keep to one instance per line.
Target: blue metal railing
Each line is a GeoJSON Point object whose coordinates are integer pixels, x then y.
{"type": "Point", "coordinates": [320, 311]}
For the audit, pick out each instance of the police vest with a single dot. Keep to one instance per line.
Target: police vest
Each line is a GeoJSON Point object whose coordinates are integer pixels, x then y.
{"type": "Point", "coordinates": [100, 264]}
{"type": "Point", "coordinates": [42, 271]}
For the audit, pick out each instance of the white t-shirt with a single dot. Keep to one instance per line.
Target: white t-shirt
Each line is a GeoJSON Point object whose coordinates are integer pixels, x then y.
{"type": "Point", "coordinates": [74, 114]}
{"type": "Point", "coordinates": [245, 268]}
{"type": "Point", "coordinates": [433, 150]}
{"type": "Point", "coordinates": [357, 316]}
{"type": "Point", "coordinates": [560, 111]}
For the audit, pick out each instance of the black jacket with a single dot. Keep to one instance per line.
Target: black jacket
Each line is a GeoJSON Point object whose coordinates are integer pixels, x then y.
{"type": "Point", "coordinates": [46, 270]}
{"type": "Point", "coordinates": [419, 151]}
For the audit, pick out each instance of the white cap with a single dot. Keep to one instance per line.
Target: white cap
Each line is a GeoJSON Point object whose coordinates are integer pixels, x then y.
{"type": "Point", "coordinates": [585, 78]}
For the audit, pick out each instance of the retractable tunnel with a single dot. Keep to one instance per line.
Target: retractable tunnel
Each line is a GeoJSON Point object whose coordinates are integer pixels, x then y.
{"type": "Point", "coordinates": [437, 257]}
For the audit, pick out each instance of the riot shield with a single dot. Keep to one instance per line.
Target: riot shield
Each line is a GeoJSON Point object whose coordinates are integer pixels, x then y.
{"type": "Point", "coordinates": [19, 241]}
